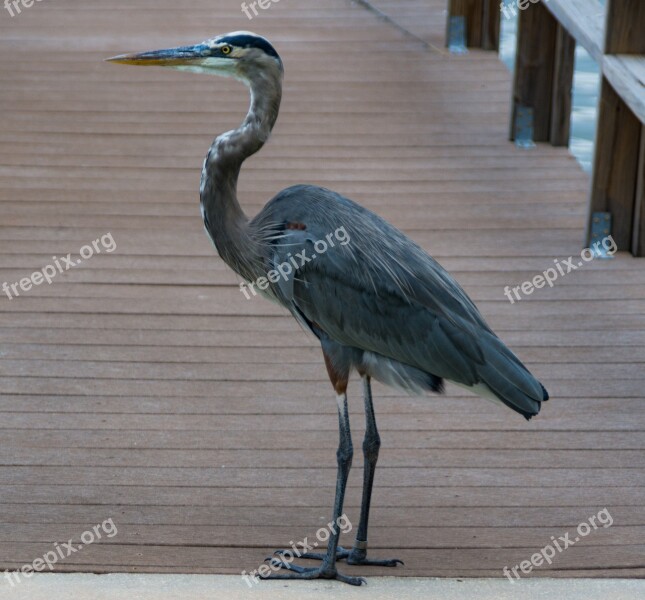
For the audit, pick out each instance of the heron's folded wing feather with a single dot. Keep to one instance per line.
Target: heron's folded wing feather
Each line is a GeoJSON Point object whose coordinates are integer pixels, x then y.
{"type": "Point", "coordinates": [365, 308]}
{"type": "Point", "coordinates": [382, 292]}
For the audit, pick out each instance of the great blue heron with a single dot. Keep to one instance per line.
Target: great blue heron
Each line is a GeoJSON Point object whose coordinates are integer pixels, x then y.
{"type": "Point", "coordinates": [379, 305]}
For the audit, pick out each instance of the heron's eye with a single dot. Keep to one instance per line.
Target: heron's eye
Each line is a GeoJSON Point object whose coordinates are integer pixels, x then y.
{"type": "Point", "coordinates": [226, 50]}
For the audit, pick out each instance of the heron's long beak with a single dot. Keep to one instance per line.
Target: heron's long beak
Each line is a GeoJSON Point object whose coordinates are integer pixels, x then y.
{"type": "Point", "coordinates": [169, 57]}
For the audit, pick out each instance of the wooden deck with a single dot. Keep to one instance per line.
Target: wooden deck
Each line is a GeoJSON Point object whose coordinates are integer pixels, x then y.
{"type": "Point", "coordinates": [141, 386]}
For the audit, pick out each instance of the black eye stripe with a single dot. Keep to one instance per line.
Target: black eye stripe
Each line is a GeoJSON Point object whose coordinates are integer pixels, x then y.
{"type": "Point", "coordinates": [249, 41]}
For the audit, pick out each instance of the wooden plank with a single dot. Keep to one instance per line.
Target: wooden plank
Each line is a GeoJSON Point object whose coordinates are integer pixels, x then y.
{"type": "Point", "coordinates": [319, 477]}
{"type": "Point", "coordinates": [125, 370]}
{"type": "Point", "coordinates": [419, 496]}
{"type": "Point", "coordinates": [304, 353]}
{"type": "Point", "coordinates": [562, 334]}
{"type": "Point", "coordinates": [439, 562]}
{"type": "Point", "coordinates": [131, 439]}
{"type": "Point", "coordinates": [244, 459]}
{"type": "Point", "coordinates": [531, 519]}
{"type": "Point", "coordinates": [632, 388]}
{"type": "Point", "coordinates": [616, 539]}
{"type": "Point", "coordinates": [308, 419]}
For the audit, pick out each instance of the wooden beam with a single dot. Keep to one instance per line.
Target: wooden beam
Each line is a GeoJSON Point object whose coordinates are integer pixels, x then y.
{"type": "Point", "coordinates": [584, 20]}
{"type": "Point", "coordinates": [534, 68]}
{"type": "Point", "coordinates": [491, 25]}
{"type": "Point", "coordinates": [618, 141]}
{"type": "Point", "coordinates": [625, 30]}
{"type": "Point", "coordinates": [627, 76]}
{"type": "Point", "coordinates": [482, 19]}
{"type": "Point", "coordinates": [565, 49]}
{"type": "Point", "coordinates": [638, 238]}
{"type": "Point", "coordinates": [472, 11]}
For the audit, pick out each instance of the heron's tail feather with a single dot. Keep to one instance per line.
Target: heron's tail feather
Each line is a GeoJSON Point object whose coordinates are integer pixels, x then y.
{"type": "Point", "coordinates": [509, 380]}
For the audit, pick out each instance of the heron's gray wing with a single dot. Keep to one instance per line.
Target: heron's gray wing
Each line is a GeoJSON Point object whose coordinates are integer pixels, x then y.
{"type": "Point", "coordinates": [383, 293]}
{"type": "Point", "coordinates": [362, 306]}
{"type": "Point", "coordinates": [413, 313]}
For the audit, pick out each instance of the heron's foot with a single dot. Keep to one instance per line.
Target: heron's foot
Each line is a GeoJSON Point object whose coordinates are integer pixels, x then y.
{"type": "Point", "coordinates": [324, 571]}
{"type": "Point", "coordinates": [352, 557]}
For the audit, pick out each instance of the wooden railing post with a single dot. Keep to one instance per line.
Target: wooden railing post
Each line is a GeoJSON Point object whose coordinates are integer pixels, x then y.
{"type": "Point", "coordinates": [491, 25]}
{"type": "Point", "coordinates": [638, 234]}
{"type": "Point", "coordinates": [547, 35]}
{"type": "Point", "coordinates": [613, 186]}
{"type": "Point", "coordinates": [625, 30]}
{"type": "Point", "coordinates": [618, 179]}
{"type": "Point", "coordinates": [481, 20]}
{"type": "Point", "coordinates": [561, 99]}
{"type": "Point", "coordinates": [543, 78]}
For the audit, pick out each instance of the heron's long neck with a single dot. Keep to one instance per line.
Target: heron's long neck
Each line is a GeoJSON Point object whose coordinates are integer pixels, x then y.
{"type": "Point", "coordinates": [224, 218]}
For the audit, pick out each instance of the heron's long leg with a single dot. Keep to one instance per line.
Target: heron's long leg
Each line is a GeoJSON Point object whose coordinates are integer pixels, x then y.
{"type": "Point", "coordinates": [344, 457]}
{"type": "Point", "coordinates": [371, 445]}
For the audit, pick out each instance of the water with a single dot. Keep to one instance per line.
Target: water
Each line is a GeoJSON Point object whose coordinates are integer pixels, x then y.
{"type": "Point", "coordinates": [586, 87]}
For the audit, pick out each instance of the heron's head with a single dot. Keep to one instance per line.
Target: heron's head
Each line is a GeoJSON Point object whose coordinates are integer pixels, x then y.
{"type": "Point", "coordinates": [242, 54]}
